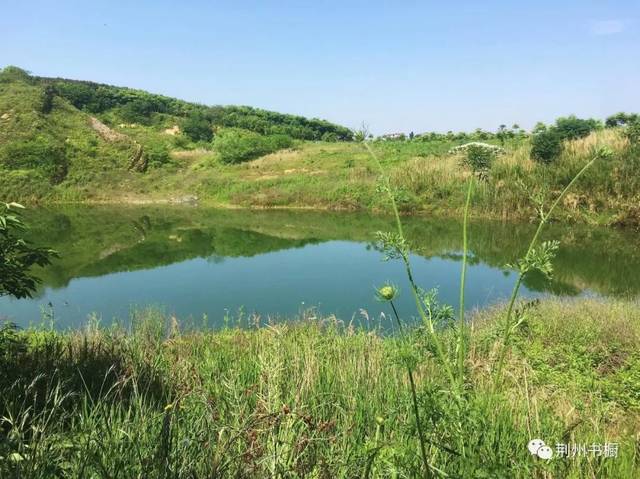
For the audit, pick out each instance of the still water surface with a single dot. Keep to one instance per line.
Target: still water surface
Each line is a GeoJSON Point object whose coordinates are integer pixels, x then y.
{"type": "Point", "coordinates": [196, 262]}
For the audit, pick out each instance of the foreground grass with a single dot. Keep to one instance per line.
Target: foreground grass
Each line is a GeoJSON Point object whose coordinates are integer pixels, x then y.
{"type": "Point", "coordinates": [315, 398]}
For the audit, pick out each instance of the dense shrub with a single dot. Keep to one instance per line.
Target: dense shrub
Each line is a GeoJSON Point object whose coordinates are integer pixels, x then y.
{"type": "Point", "coordinates": [480, 158]}
{"type": "Point", "coordinates": [48, 93]}
{"type": "Point", "coordinates": [572, 128]}
{"type": "Point", "coordinates": [11, 73]}
{"type": "Point", "coordinates": [633, 132]}
{"type": "Point", "coordinates": [272, 123]}
{"type": "Point", "coordinates": [236, 145]}
{"type": "Point", "coordinates": [329, 136]}
{"type": "Point", "coordinates": [23, 184]}
{"type": "Point", "coordinates": [157, 155]}
{"type": "Point", "coordinates": [538, 128]}
{"type": "Point", "coordinates": [621, 119]}
{"type": "Point", "coordinates": [546, 145]}
{"type": "Point", "coordinates": [197, 127]}
{"type": "Point", "coordinates": [41, 153]}
{"type": "Point", "coordinates": [140, 110]}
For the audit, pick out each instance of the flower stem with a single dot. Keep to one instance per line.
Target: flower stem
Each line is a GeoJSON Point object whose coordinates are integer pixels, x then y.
{"type": "Point", "coordinates": [462, 325]}
{"type": "Point", "coordinates": [514, 294]}
{"type": "Point", "coordinates": [414, 399]}
{"type": "Point", "coordinates": [414, 288]}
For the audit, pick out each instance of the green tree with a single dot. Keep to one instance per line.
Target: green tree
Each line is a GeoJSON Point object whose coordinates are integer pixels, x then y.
{"type": "Point", "coordinates": [538, 128]}
{"type": "Point", "coordinates": [197, 127]}
{"type": "Point", "coordinates": [17, 256]}
{"type": "Point", "coordinates": [11, 73]}
{"type": "Point", "coordinates": [140, 110]}
{"type": "Point", "coordinates": [633, 132]}
{"type": "Point", "coordinates": [546, 146]}
{"type": "Point", "coordinates": [480, 158]}
{"type": "Point", "coordinates": [234, 145]}
{"type": "Point", "coordinates": [572, 127]}
{"type": "Point", "coordinates": [502, 133]}
{"type": "Point", "coordinates": [621, 119]}
{"type": "Point", "coordinates": [48, 92]}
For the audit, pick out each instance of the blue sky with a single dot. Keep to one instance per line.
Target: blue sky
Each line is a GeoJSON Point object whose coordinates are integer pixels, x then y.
{"type": "Point", "coordinates": [399, 66]}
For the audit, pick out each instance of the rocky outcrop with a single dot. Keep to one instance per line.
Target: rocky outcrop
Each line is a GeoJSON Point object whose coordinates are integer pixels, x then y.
{"type": "Point", "coordinates": [104, 131]}
{"type": "Point", "coordinates": [138, 162]}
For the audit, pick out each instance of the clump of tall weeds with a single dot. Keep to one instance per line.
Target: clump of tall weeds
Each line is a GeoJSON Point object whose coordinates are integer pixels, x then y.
{"type": "Point", "coordinates": [539, 257]}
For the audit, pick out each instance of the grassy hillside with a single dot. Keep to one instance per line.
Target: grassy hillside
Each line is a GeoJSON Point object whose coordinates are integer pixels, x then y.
{"type": "Point", "coordinates": [315, 398]}
{"type": "Point", "coordinates": [63, 140]}
{"type": "Point", "coordinates": [60, 139]}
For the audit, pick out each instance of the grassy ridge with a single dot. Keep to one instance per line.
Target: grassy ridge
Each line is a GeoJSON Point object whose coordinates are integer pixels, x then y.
{"type": "Point", "coordinates": [315, 398]}
{"type": "Point", "coordinates": [427, 179]}
{"type": "Point", "coordinates": [61, 139]}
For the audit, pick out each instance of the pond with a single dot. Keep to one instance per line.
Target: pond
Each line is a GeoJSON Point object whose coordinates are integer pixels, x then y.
{"type": "Point", "coordinates": [212, 266]}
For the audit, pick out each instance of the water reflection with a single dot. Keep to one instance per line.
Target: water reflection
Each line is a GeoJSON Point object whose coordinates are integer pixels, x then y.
{"type": "Point", "coordinates": [200, 261]}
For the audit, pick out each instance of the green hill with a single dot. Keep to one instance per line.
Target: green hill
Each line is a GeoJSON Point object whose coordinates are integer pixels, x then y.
{"type": "Point", "coordinates": [56, 131]}
{"type": "Point", "coordinates": [74, 141]}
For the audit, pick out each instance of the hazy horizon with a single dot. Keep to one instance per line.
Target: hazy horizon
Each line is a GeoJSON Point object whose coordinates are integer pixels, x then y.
{"type": "Point", "coordinates": [406, 67]}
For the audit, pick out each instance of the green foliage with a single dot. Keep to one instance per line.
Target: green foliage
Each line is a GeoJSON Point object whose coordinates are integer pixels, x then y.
{"type": "Point", "coordinates": [538, 128]}
{"type": "Point", "coordinates": [538, 259]}
{"type": "Point", "coordinates": [42, 153]}
{"type": "Point", "coordinates": [271, 123]}
{"type": "Point", "coordinates": [136, 106]}
{"type": "Point", "coordinates": [329, 136]}
{"type": "Point", "coordinates": [546, 146]}
{"type": "Point", "coordinates": [480, 158]}
{"type": "Point", "coordinates": [140, 107]}
{"type": "Point", "coordinates": [573, 128]}
{"type": "Point", "coordinates": [48, 93]}
{"type": "Point", "coordinates": [361, 134]}
{"type": "Point", "coordinates": [30, 185]}
{"type": "Point", "coordinates": [157, 155]}
{"type": "Point", "coordinates": [17, 256]}
{"type": "Point", "coordinates": [633, 132]}
{"type": "Point", "coordinates": [141, 110]}
{"type": "Point", "coordinates": [546, 143]}
{"type": "Point", "coordinates": [235, 145]}
{"type": "Point", "coordinates": [621, 119]}
{"type": "Point", "coordinates": [197, 127]}
{"type": "Point", "coordinates": [12, 74]}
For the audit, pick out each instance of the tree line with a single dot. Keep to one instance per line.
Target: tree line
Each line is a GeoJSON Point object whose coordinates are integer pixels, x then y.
{"type": "Point", "coordinates": [138, 106]}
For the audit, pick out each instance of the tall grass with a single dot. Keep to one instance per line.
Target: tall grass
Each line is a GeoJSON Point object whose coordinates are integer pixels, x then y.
{"type": "Point", "coordinates": [316, 398]}
{"type": "Point", "coordinates": [540, 259]}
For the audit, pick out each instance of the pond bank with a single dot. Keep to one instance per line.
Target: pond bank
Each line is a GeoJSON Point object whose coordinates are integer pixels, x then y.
{"type": "Point", "coordinates": [315, 397]}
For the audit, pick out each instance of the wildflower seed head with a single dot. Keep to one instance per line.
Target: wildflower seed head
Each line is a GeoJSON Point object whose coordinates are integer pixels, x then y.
{"type": "Point", "coordinates": [604, 152]}
{"type": "Point", "coordinates": [387, 292]}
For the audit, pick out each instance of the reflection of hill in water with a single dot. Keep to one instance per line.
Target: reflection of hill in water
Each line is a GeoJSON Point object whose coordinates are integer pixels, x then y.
{"type": "Point", "coordinates": [100, 240]}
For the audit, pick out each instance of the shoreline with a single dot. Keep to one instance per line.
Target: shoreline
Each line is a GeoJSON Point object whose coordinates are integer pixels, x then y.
{"type": "Point", "coordinates": [608, 220]}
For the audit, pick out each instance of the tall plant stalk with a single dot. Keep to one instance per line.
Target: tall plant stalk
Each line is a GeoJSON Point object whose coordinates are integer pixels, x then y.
{"type": "Point", "coordinates": [414, 288]}
{"type": "Point", "coordinates": [544, 218]}
{"type": "Point", "coordinates": [414, 399]}
{"type": "Point", "coordinates": [461, 346]}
